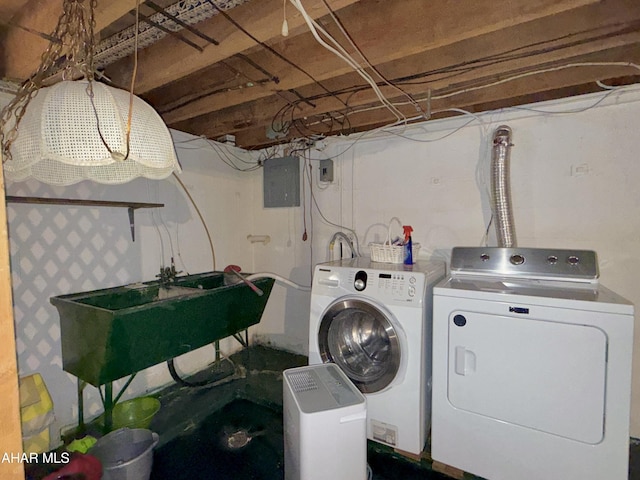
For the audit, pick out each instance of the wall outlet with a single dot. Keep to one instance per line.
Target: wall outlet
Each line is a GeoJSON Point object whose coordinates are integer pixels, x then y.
{"type": "Point", "coordinates": [326, 170]}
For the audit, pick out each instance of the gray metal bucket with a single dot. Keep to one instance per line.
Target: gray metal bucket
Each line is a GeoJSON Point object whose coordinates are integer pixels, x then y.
{"type": "Point", "coordinates": [126, 454]}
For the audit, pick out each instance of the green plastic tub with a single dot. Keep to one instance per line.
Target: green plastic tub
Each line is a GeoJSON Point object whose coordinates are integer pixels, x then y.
{"type": "Point", "coordinates": [135, 413]}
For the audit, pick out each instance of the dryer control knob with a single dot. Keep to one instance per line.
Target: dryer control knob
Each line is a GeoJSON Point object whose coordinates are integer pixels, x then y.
{"type": "Point", "coordinates": [359, 284]}
{"type": "Point", "coordinates": [517, 259]}
{"type": "Point", "coordinates": [573, 260]}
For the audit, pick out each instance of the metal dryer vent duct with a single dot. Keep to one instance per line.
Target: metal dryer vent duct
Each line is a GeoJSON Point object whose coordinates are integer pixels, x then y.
{"type": "Point", "coordinates": [501, 189]}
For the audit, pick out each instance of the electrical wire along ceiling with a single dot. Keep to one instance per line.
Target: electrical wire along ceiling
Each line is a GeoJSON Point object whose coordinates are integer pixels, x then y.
{"type": "Point", "coordinates": [262, 72]}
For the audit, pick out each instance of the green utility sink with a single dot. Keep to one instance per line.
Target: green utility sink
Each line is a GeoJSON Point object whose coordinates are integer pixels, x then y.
{"type": "Point", "coordinates": [111, 333]}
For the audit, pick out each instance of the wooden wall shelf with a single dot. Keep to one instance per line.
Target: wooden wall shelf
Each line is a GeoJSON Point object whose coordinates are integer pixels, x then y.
{"type": "Point", "coordinates": [77, 202]}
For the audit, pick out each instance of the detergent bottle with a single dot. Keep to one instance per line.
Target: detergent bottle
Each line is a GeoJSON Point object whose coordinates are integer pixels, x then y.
{"type": "Point", "coordinates": [408, 246]}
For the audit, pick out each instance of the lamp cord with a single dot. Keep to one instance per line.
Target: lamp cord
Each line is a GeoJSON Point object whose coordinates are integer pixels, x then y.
{"type": "Point", "coordinates": [134, 73]}
{"type": "Point", "coordinates": [133, 76]}
{"type": "Point", "coordinates": [115, 155]}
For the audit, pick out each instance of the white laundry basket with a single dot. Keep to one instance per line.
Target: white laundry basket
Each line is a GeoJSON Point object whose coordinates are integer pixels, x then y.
{"type": "Point", "coordinates": [388, 253]}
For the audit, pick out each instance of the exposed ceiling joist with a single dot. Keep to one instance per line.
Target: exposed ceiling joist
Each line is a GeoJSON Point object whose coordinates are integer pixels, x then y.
{"type": "Point", "coordinates": [409, 40]}
{"type": "Point", "coordinates": [234, 73]}
{"type": "Point", "coordinates": [170, 60]}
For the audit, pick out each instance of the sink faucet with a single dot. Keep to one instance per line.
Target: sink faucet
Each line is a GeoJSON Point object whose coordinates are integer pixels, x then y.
{"type": "Point", "coordinates": [168, 274]}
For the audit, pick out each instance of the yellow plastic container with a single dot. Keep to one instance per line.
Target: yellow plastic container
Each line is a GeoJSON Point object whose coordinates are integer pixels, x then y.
{"type": "Point", "coordinates": [36, 414]}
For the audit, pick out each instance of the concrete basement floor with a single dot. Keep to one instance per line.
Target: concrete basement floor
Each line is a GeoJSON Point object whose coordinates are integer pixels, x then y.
{"type": "Point", "coordinates": [199, 427]}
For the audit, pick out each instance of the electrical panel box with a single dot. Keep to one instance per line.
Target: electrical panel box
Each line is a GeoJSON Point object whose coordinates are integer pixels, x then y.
{"type": "Point", "coordinates": [281, 182]}
{"type": "Point", "coordinates": [326, 170]}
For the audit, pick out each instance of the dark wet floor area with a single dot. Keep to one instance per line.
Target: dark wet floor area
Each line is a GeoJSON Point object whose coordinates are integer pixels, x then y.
{"type": "Point", "coordinates": [244, 440]}
{"type": "Point", "coordinates": [231, 428]}
{"type": "Point", "coordinates": [234, 430]}
{"type": "Point", "coordinates": [241, 440]}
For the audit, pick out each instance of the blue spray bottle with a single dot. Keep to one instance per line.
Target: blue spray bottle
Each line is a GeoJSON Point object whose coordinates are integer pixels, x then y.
{"type": "Point", "coordinates": [408, 246]}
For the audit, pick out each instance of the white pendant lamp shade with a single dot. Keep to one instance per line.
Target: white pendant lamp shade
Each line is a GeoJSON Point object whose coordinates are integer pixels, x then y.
{"type": "Point", "coordinates": [59, 140]}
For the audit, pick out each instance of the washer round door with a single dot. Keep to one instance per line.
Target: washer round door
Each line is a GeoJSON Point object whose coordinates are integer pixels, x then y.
{"type": "Point", "coordinates": [362, 340]}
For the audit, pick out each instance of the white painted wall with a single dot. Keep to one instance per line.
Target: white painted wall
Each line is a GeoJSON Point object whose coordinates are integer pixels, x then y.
{"type": "Point", "coordinates": [574, 185]}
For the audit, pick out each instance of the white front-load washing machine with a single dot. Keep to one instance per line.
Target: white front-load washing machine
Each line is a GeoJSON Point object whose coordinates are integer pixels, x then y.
{"type": "Point", "coordinates": [374, 321]}
{"type": "Point", "coordinates": [531, 367]}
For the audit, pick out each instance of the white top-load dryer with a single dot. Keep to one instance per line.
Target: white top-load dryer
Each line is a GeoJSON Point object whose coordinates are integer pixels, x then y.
{"type": "Point", "coordinates": [531, 367]}
{"type": "Point", "coordinates": [374, 321]}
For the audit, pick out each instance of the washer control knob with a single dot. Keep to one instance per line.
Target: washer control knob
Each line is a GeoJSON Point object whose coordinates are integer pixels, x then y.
{"type": "Point", "coordinates": [517, 259]}
{"type": "Point", "coordinates": [360, 281]}
{"type": "Point", "coordinates": [485, 257]}
{"type": "Point", "coordinates": [412, 291]}
{"type": "Point", "coordinates": [573, 260]}
{"type": "Point", "coordinates": [552, 259]}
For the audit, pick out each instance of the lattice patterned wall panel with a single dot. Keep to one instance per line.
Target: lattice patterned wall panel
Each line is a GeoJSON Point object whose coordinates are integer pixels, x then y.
{"type": "Point", "coordinates": [57, 250]}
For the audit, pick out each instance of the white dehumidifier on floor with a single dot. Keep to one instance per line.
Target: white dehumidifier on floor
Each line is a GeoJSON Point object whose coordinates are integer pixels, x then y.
{"type": "Point", "coordinates": [325, 431]}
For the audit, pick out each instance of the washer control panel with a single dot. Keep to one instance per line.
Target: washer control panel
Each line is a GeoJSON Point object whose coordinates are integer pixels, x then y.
{"type": "Point", "coordinates": [391, 284]}
{"type": "Point", "coordinates": [404, 287]}
{"type": "Point", "coordinates": [530, 263]}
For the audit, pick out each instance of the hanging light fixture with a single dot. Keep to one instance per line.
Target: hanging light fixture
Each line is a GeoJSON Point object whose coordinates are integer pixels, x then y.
{"type": "Point", "coordinates": [81, 129]}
